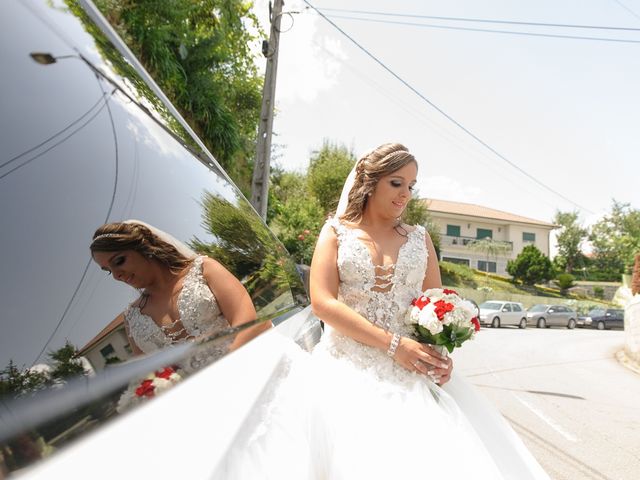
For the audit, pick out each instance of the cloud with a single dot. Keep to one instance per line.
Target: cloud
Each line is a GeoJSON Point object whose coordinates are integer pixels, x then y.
{"type": "Point", "coordinates": [446, 188]}
{"type": "Point", "coordinates": [308, 62]}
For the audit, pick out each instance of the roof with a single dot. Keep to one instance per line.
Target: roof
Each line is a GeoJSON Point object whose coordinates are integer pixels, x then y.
{"type": "Point", "coordinates": [472, 210]}
{"type": "Point", "coordinates": [111, 327]}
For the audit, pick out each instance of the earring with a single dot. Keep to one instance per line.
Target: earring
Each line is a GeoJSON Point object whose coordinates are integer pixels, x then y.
{"type": "Point", "coordinates": [369, 194]}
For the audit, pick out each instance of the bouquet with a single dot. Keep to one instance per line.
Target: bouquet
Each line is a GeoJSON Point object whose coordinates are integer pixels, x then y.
{"type": "Point", "coordinates": [441, 317]}
{"type": "Point", "coordinates": [152, 385]}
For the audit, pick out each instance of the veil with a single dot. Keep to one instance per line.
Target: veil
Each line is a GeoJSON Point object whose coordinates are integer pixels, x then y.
{"type": "Point", "coordinates": [346, 189]}
{"type": "Point", "coordinates": [182, 248]}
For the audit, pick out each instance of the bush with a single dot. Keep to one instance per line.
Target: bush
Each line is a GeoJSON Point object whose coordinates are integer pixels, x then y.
{"type": "Point", "coordinates": [565, 281]}
{"type": "Point", "coordinates": [455, 274]}
{"type": "Point", "coordinates": [531, 266]}
{"type": "Point", "coordinates": [598, 292]}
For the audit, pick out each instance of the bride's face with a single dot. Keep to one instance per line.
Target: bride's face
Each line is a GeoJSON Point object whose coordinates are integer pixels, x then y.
{"type": "Point", "coordinates": [393, 192]}
{"type": "Point", "coordinates": [126, 266]}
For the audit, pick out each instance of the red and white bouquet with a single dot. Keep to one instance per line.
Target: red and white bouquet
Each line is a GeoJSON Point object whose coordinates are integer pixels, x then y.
{"type": "Point", "coordinates": [441, 317]}
{"type": "Point", "coordinates": [152, 385]}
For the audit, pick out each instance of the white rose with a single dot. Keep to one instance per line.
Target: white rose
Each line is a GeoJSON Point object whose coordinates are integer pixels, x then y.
{"type": "Point", "coordinates": [429, 320]}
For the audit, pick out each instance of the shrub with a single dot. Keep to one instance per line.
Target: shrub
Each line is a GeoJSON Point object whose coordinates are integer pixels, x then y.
{"type": "Point", "coordinates": [531, 266]}
{"type": "Point", "coordinates": [565, 281]}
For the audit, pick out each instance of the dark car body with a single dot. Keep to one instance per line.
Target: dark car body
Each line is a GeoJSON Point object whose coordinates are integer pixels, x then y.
{"type": "Point", "coordinates": [604, 319]}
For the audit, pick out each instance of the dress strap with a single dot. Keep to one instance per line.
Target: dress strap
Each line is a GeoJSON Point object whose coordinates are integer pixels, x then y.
{"type": "Point", "coordinates": [338, 227]}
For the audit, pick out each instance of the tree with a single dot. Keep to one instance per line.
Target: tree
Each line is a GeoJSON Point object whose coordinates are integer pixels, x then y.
{"type": "Point", "coordinates": [531, 266]}
{"type": "Point", "coordinates": [328, 170]}
{"type": "Point", "coordinates": [570, 239]}
{"type": "Point", "coordinates": [65, 362]}
{"type": "Point", "coordinates": [198, 51]}
{"type": "Point", "coordinates": [490, 247]}
{"type": "Point", "coordinates": [417, 213]}
{"type": "Point", "coordinates": [16, 382]}
{"type": "Point", "coordinates": [616, 239]}
{"type": "Point", "coordinates": [565, 281]}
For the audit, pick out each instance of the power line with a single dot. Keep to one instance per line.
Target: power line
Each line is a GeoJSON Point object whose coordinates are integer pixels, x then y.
{"type": "Point", "coordinates": [481, 20]}
{"type": "Point", "coordinates": [627, 9]}
{"type": "Point", "coordinates": [485, 30]}
{"type": "Point", "coordinates": [442, 112]}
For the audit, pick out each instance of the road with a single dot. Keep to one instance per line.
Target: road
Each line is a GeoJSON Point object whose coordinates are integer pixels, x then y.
{"type": "Point", "coordinates": [565, 394]}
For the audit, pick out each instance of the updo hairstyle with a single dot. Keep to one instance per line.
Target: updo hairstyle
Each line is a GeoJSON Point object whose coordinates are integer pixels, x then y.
{"type": "Point", "coordinates": [114, 237]}
{"type": "Point", "coordinates": [382, 161]}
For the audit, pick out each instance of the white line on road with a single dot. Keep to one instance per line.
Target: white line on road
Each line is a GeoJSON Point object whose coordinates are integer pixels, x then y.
{"type": "Point", "coordinates": [567, 435]}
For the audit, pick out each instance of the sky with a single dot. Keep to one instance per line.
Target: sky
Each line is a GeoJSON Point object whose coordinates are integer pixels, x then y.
{"type": "Point", "coordinates": [559, 117]}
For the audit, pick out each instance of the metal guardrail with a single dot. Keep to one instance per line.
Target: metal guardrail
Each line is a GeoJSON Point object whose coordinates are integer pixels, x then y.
{"type": "Point", "coordinates": [449, 240]}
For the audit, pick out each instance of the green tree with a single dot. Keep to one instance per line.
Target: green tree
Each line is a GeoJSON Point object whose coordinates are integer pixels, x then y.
{"type": "Point", "coordinates": [565, 281]}
{"type": "Point", "coordinates": [417, 213]}
{"type": "Point", "coordinates": [616, 239]}
{"type": "Point", "coordinates": [531, 266]}
{"type": "Point", "coordinates": [16, 382]}
{"type": "Point", "coordinates": [491, 248]}
{"type": "Point", "coordinates": [65, 362]}
{"type": "Point", "coordinates": [198, 51]}
{"type": "Point", "coordinates": [328, 170]}
{"type": "Point", "coordinates": [570, 239]}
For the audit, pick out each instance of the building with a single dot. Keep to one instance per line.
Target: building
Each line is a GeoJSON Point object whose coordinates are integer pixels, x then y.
{"type": "Point", "coordinates": [111, 345]}
{"type": "Point", "coordinates": [462, 225]}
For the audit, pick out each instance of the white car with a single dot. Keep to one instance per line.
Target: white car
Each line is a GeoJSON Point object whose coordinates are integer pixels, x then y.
{"type": "Point", "coordinates": [500, 312]}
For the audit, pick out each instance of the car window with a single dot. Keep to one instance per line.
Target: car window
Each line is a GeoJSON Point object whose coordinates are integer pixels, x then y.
{"type": "Point", "coordinates": [596, 312]}
{"type": "Point", "coordinates": [491, 306]}
{"type": "Point", "coordinates": [516, 307]}
{"type": "Point", "coordinates": [539, 308]}
{"type": "Point", "coordinates": [506, 307]}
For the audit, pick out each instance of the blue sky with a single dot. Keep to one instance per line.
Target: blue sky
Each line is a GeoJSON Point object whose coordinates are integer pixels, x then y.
{"type": "Point", "coordinates": [565, 111]}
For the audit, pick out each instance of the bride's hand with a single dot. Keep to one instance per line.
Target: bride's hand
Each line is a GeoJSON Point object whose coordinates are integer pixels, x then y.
{"type": "Point", "coordinates": [417, 357]}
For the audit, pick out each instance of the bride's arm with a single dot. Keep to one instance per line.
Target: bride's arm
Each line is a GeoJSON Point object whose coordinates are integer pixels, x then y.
{"type": "Point", "coordinates": [432, 277]}
{"type": "Point", "coordinates": [324, 284]}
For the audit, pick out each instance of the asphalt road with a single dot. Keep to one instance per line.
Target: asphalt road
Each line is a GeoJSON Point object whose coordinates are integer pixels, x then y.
{"type": "Point", "coordinates": [565, 394]}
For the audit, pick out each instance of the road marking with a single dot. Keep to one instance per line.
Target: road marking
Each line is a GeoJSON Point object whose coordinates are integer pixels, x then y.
{"type": "Point", "coordinates": [549, 421]}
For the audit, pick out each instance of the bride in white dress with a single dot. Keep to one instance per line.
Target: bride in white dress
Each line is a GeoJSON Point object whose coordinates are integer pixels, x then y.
{"type": "Point", "coordinates": [378, 409]}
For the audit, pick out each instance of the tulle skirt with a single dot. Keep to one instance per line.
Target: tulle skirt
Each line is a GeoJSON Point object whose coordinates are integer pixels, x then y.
{"type": "Point", "coordinates": [328, 418]}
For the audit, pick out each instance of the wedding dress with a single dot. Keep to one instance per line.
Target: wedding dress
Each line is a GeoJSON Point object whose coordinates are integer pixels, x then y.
{"type": "Point", "coordinates": [199, 315]}
{"type": "Point", "coordinates": [349, 411]}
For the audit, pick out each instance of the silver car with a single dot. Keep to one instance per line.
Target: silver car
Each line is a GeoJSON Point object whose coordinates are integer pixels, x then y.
{"type": "Point", "coordinates": [551, 315]}
{"type": "Point", "coordinates": [499, 312]}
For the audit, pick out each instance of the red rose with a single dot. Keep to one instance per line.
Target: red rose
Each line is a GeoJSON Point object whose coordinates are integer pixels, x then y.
{"type": "Point", "coordinates": [420, 302]}
{"type": "Point", "coordinates": [165, 373]}
{"type": "Point", "coordinates": [476, 323]}
{"type": "Point", "coordinates": [442, 307]}
{"type": "Point", "coordinates": [448, 291]}
{"type": "Point", "coordinates": [146, 389]}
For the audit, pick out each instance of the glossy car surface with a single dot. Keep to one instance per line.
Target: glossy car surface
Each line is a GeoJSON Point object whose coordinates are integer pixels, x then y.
{"type": "Point", "coordinates": [498, 313]}
{"type": "Point", "coordinates": [542, 316]}
{"type": "Point", "coordinates": [87, 138]}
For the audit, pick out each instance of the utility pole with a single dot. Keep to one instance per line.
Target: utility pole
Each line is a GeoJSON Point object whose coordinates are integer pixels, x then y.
{"type": "Point", "coordinates": [261, 169]}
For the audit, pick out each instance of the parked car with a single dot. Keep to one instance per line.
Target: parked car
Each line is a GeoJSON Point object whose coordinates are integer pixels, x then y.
{"type": "Point", "coordinates": [498, 312]}
{"type": "Point", "coordinates": [542, 316]}
{"type": "Point", "coordinates": [605, 318]}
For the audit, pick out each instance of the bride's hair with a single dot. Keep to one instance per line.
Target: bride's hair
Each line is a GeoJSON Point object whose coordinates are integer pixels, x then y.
{"type": "Point", "coordinates": [113, 237]}
{"type": "Point", "coordinates": [376, 164]}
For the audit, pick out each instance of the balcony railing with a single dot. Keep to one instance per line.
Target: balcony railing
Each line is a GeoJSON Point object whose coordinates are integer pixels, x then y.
{"type": "Point", "coordinates": [448, 240]}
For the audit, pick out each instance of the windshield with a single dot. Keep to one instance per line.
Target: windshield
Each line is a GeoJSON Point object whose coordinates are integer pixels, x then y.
{"type": "Point", "coordinates": [596, 312]}
{"type": "Point", "coordinates": [491, 306]}
{"type": "Point", "coordinates": [538, 308]}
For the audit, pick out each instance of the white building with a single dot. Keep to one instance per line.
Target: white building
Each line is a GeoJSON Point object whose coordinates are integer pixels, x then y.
{"type": "Point", "coordinates": [461, 224]}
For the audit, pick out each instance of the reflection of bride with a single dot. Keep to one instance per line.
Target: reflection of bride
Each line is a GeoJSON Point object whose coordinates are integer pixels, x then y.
{"type": "Point", "coordinates": [183, 296]}
{"type": "Point", "coordinates": [373, 407]}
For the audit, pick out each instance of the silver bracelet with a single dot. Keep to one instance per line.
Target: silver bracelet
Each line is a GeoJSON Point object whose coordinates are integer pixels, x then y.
{"type": "Point", "coordinates": [393, 345]}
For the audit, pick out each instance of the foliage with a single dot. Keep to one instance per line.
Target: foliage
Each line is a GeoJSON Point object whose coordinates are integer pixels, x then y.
{"type": "Point", "coordinates": [616, 239]}
{"type": "Point", "coordinates": [198, 51]}
{"type": "Point", "coordinates": [598, 292]}
{"type": "Point", "coordinates": [328, 170]}
{"type": "Point", "coordinates": [454, 274]}
{"type": "Point", "coordinates": [417, 213]}
{"type": "Point", "coordinates": [565, 281]}
{"type": "Point", "coordinates": [570, 240]}
{"type": "Point", "coordinates": [531, 266]}
{"type": "Point", "coordinates": [16, 382]}
{"type": "Point", "coordinates": [65, 362]}
{"type": "Point", "coordinates": [491, 248]}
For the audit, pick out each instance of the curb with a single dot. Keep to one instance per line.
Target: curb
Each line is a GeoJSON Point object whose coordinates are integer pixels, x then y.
{"type": "Point", "coordinates": [627, 362]}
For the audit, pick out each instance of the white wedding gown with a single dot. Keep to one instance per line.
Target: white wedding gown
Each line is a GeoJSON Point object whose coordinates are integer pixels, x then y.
{"type": "Point", "coordinates": [348, 411]}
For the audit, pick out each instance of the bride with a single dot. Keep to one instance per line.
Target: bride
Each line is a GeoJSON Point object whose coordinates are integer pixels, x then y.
{"type": "Point", "coordinates": [379, 411]}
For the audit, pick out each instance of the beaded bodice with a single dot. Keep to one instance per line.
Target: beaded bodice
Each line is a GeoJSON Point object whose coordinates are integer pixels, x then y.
{"type": "Point", "coordinates": [381, 294]}
{"type": "Point", "coordinates": [198, 309]}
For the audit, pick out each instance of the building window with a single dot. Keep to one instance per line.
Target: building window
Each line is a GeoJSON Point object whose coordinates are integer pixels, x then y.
{"type": "Point", "coordinates": [486, 266]}
{"type": "Point", "coordinates": [528, 237]}
{"type": "Point", "coordinates": [483, 233]}
{"type": "Point", "coordinates": [107, 351]}
{"type": "Point", "coordinates": [459, 261]}
{"type": "Point", "coordinates": [453, 230]}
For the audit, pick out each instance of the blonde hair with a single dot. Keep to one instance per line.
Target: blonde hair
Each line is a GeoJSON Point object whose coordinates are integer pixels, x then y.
{"type": "Point", "coordinates": [114, 237]}
{"type": "Point", "coordinates": [382, 161]}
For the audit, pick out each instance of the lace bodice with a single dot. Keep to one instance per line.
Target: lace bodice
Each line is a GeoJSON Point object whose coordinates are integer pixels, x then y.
{"type": "Point", "coordinates": [380, 294]}
{"type": "Point", "coordinates": [198, 309]}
